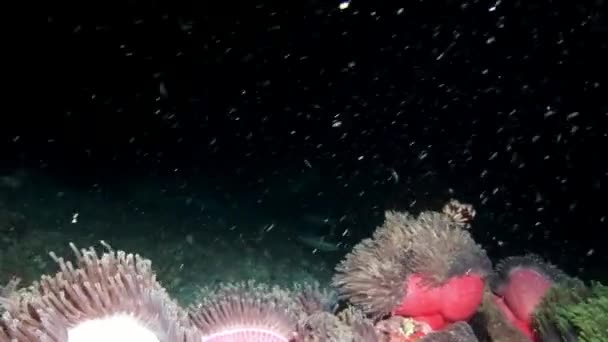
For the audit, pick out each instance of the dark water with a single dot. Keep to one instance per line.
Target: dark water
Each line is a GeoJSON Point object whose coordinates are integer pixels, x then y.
{"type": "Point", "coordinates": [211, 138]}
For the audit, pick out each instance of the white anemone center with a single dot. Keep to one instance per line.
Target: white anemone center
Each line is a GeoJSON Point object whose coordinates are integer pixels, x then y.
{"type": "Point", "coordinates": [116, 328]}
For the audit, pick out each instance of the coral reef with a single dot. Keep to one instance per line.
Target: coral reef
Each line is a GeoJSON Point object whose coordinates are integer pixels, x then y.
{"type": "Point", "coordinates": [417, 279]}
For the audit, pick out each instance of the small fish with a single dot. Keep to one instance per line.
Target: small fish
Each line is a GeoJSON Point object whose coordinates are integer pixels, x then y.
{"type": "Point", "coordinates": [319, 243]}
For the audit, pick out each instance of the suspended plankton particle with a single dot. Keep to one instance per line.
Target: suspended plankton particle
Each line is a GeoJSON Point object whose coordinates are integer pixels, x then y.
{"type": "Point", "coordinates": [344, 5]}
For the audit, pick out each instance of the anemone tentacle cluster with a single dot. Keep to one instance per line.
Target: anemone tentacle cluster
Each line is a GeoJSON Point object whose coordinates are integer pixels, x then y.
{"type": "Point", "coordinates": [418, 278]}
{"type": "Point", "coordinates": [114, 296]}
{"type": "Point", "coordinates": [407, 254]}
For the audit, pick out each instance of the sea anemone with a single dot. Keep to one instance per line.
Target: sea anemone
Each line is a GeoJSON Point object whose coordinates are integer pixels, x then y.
{"type": "Point", "coordinates": [112, 297]}
{"type": "Point", "coordinates": [529, 265]}
{"type": "Point", "coordinates": [410, 260]}
{"type": "Point", "coordinates": [573, 312]}
{"type": "Point", "coordinates": [490, 324]}
{"type": "Point", "coordinates": [348, 325]}
{"type": "Point", "coordinates": [519, 285]}
{"type": "Point", "coordinates": [8, 293]}
{"type": "Point", "coordinates": [323, 322]}
{"type": "Point", "coordinates": [247, 311]}
{"type": "Point", "coordinates": [546, 304]}
{"type": "Point", "coordinates": [313, 298]}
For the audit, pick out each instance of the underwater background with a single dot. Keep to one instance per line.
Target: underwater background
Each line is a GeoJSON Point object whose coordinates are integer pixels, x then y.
{"type": "Point", "coordinates": [263, 140]}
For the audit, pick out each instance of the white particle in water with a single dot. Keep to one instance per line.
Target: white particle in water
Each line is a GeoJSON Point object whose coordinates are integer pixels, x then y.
{"type": "Point", "coordinates": [495, 6]}
{"type": "Point", "coordinates": [572, 115]}
{"type": "Point", "coordinates": [344, 5]}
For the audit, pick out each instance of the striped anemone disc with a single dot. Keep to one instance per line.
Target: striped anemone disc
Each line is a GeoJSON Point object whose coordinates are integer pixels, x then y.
{"type": "Point", "coordinates": [246, 312]}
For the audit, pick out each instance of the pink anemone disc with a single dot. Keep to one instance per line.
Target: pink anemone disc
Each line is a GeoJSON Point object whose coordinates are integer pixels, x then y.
{"type": "Point", "coordinates": [524, 290]}
{"type": "Point", "coordinates": [521, 284]}
{"type": "Point", "coordinates": [455, 300]}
